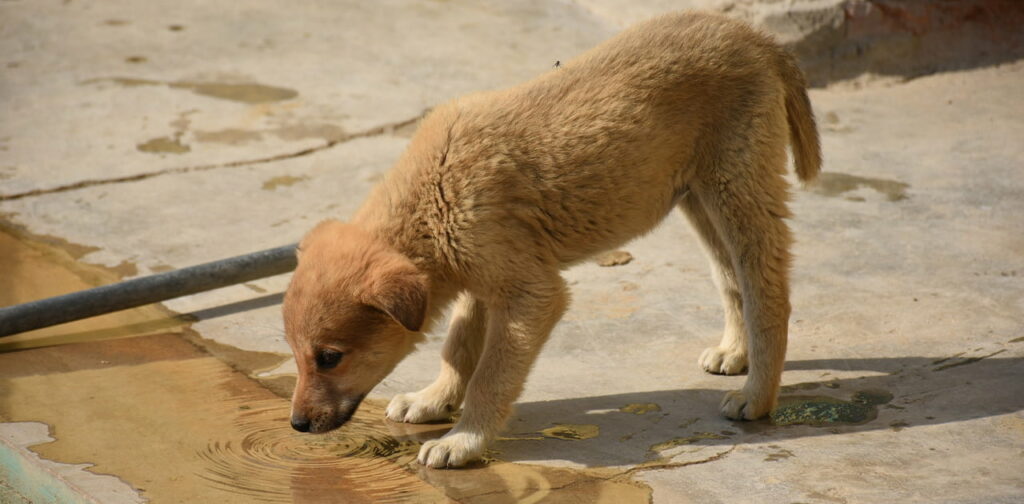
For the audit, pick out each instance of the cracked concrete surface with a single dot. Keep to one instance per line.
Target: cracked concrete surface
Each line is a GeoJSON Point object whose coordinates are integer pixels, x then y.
{"type": "Point", "coordinates": [335, 139]}
{"type": "Point", "coordinates": [259, 122]}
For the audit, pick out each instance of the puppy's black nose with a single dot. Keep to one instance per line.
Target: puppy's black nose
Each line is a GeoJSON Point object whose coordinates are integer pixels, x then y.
{"type": "Point", "coordinates": [300, 424]}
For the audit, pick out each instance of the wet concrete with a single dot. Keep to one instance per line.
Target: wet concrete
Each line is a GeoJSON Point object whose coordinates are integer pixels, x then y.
{"type": "Point", "coordinates": [914, 290]}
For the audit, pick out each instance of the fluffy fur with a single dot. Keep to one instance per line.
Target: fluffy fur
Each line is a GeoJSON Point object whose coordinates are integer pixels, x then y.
{"type": "Point", "coordinates": [498, 192]}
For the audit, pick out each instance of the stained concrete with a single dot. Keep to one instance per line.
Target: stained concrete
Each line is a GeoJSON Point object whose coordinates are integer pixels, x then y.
{"type": "Point", "coordinates": [908, 276]}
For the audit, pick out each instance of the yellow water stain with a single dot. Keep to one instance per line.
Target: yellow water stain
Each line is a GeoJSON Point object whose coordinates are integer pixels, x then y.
{"type": "Point", "coordinates": [245, 93]}
{"type": "Point", "coordinates": [302, 131]}
{"type": "Point", "coordinates": [614, 258]}
{"type": "Point", "coordinates": [574, 432]}
{"type": "Point", "coordinates": [291, 132]}
{"type": "Point", "coordinates": [125, 269]}
{"type": "Point", "coordinates": [229, 136]}
{"type": "Point", "coordinates": [835, 184]}
{"type": "Point", "coordinates": [681, 441]}
{"type": "Point", "coordinates": [640, 408]}
{"type": "Point", "coordinates": [250, 93]}
{"type": "Point", "coordinates": [164, 145]}
{"type": "Point", "coordinates": [272, 184]}
{"type": "Point", "coordinates": [38, 267]}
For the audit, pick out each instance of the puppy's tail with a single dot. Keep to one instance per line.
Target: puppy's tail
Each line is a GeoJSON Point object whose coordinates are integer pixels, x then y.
{"type": "Point", "coordinates": [803, 134]}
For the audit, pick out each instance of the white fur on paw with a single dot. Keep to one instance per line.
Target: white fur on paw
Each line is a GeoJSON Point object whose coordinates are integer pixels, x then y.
{"type": "Point", "coordinates": [725, 361]}
{"type": "Point", "coordinates": [454, 449]}
{"type": "Point", "coordinates": [739, 405]}
{"type": "Point", "coordinates": [417, 407]}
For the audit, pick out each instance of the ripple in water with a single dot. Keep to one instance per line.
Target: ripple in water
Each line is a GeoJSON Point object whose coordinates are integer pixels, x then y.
{"type": "Point", "coordinates": [270, 462]}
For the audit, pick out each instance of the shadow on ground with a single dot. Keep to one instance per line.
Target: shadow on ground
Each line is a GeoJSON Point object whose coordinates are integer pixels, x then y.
{"type": "Point", "coordinates": [640, 427]}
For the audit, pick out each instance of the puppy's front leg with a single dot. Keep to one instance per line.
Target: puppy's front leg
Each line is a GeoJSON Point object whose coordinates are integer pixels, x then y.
{"type": "Point", "coordinates": [458, 361]}
{"type": "Point", "coordinates": [516, 331]}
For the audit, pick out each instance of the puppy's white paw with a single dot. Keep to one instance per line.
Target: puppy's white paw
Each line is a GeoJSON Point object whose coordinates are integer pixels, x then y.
{"type": "Point", "coordinates": [417, 407]}
{"type": "Point", "coordinates": [725, 361]}
{"type": "Point", "coordinates": [454, 449]}
{"type": "Point", "coordinates": [742, 405]}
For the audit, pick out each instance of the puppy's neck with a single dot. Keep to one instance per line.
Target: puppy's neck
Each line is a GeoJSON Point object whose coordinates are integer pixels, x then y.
{"type": "Point", "coordinates": [411, 239]}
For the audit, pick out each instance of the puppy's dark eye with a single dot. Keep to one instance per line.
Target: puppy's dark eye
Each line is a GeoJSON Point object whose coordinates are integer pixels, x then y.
{"type": "Point", "coordinates": [327, 359]}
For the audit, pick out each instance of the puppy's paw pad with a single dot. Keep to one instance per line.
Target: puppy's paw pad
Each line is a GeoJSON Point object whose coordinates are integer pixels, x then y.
{"type": "Point", "coordinates": [417, 407]}
{"type": "Point", "coordinates": [725, 361]}
{"type": "Point", "coordinates": [739, 405]}
{"type": "Point", "coordinates": [455, 449]}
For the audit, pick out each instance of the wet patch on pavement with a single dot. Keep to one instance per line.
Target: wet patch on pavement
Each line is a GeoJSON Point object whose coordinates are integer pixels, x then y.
{"type": "Point", "coordinates": [250, 93]}
{"type": "Point", "coordinates": [836, 184]}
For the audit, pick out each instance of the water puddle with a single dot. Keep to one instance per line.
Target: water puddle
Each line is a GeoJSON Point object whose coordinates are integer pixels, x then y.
{"type": "Point", "coordinates": [179, 425]}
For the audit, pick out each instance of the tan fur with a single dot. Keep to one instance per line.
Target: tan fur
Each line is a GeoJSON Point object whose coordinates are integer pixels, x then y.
{"type": "Point", "coordinates": [499, 192]}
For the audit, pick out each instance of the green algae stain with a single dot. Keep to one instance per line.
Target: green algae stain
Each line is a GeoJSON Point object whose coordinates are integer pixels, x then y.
{"type": "Point", "coordinates": [822, 410]}
{"type": "Point", "coordinates": [573, 432]}
{"type": "Point", "coordinates": [640, 408]}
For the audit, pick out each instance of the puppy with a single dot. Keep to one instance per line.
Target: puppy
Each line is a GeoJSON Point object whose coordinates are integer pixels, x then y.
{"type": "Point", "coordinates": [498, 192]}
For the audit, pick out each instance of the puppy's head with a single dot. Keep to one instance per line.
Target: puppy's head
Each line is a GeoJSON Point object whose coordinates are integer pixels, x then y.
{"type": "Point", "coordinates": [353, 310]}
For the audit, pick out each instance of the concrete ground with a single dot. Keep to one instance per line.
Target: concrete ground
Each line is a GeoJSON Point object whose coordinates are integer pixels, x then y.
{"type": "Point", "coordinates": [138, 137]}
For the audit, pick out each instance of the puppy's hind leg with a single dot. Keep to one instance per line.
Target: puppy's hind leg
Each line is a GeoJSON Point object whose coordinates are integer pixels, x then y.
{"type": "Point", "coordinates": [730, 356]}
{"type": "Point", "coordinates": [746, 202]}
{"type": "Point", "coordinates": [458, 361]}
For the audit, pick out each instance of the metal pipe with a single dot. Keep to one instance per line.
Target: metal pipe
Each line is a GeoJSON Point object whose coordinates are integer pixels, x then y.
{"type": "Point", "coordinates": [145, 290]}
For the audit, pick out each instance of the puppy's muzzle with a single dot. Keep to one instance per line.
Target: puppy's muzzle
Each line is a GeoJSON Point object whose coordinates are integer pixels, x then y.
{"type": "Point", "coordinates": [327, 420]}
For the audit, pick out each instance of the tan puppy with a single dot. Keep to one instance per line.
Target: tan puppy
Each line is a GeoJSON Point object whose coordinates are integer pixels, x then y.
{"type": "Point", "coordinates": [499, 192]}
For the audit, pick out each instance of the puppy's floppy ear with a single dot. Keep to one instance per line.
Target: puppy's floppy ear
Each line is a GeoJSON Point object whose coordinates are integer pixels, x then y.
{"type": "Point", "coordinates": [402, 294]}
